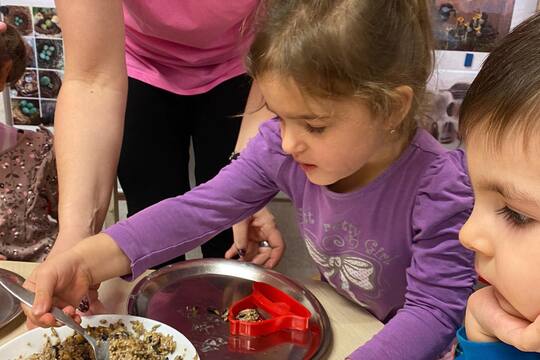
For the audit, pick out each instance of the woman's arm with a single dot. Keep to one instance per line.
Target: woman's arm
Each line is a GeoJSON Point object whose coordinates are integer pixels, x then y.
{"type": "Point", "coordinates": [255, 113]}
{"type": "Point", "coordinates": [89, 114]}
{"type": "Point", "coordinates": [261, 226]}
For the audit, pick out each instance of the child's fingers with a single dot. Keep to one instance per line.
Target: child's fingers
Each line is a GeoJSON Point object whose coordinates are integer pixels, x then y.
{"type": "Point", "coordinates": [240, 234]}
{"type": "Point", "coordinates": [262, 256]}
{"type": "Point", "coordinates": [278, 248]}
{"type": "Point", "coordinates": [69, 310]}
{"type": "Point", "coordinates": [523, 335]}
{"type": "Point", "coordinates": [44, 287]}
{"type": "Point", "coordinates": [46, 320]}
{"type": "Point", "coordinates": [3, 27]}
{"type": "Point", "coordinates": [73, 314]}
{"type": "Point", "coordinates": [264, 221]}
{"type": "Point", "coordinates": [232, 252]}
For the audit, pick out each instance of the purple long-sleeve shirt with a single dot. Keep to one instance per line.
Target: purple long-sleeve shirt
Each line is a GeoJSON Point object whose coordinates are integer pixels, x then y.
{"type": "Point", "coordinates": [391, 246]}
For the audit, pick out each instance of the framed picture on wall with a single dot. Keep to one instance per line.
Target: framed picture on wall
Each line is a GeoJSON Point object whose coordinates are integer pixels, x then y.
{"type": "Point", "coordinates": [466, 30]}
{"type": "Point", "coordinates": [31, 100]}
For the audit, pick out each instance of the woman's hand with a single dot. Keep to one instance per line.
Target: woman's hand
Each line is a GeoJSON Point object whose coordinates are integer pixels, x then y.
{"type": "Point", "coordinates": [62, 280]}
{"type": "Point", "coordinates": [248, 235]}
{"type": "Point", "coordinates": [487, 321]}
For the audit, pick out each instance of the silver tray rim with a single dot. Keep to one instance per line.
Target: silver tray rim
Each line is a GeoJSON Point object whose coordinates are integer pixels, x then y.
{"type": "Point", "coordinates": [242, 270]}
{"type": "Point", "coordinates": [18, 310]}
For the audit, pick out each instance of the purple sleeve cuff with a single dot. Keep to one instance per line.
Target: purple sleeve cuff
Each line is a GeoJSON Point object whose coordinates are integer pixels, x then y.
{"type": "Point", "coordinates": [409, 335]}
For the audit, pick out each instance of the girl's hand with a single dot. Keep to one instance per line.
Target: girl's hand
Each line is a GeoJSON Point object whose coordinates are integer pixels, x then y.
{"type": "Point", "coordinates": [487, 321]}
{"type": "Point", "coordinates": [64, 242]}
{"type": "Point", "coordinates": [62, 280]}
{"type": "Point", "coordinates": [3, 27]}
{"type": "Point", "coordinates": [2, 257]}
{"type": "Point", "coordinates": [252, 231]}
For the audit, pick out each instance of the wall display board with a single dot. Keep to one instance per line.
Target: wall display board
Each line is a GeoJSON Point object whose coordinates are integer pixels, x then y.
{"type": "Point", "coordinates": [464, 33]}
{"type": "Point", "coordinates": [32, 100]}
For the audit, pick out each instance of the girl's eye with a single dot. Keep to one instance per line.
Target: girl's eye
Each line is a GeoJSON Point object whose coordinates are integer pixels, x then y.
{"type": "Point", "coordinates": [513, 217]}
{"type": "Point", "coordinates": [315, 129]}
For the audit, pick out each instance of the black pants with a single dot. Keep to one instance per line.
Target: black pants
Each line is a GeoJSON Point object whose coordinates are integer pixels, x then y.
{"type": "Point", "coordinates": [155, 150]}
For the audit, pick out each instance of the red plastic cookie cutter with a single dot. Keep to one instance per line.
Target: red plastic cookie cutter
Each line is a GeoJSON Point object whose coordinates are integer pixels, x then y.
{"type": "Point", "coordinates": [285, 312]}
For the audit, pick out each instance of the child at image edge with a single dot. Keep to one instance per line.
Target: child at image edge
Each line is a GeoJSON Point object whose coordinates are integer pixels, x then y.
{"type": "Point", "coordinates": [500, 120]}
{"type": "Point", "coordinates": [28, 184]}
{"type": "Point", "coordinates": [380, 202]}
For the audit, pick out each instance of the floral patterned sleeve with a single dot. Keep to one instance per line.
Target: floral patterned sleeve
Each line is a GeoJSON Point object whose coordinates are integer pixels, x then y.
{"type": "Point", "coordinates": [29, 197]}
{"type": "Point", "coordinates": [50, 184]}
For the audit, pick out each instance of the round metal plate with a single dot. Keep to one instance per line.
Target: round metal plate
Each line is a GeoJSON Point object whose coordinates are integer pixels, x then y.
{"type": "Point", "coordinates": [184, 295]}
{"type": "Point", "coordinates": [10, 307]}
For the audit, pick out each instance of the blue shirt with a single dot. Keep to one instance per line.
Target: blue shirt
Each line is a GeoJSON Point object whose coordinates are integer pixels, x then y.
{"type": "Point", "coordinates": [470, 350]}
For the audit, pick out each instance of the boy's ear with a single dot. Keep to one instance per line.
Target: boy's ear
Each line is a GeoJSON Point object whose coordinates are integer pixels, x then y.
{"type": "Point", "coordinates": [403, 99]}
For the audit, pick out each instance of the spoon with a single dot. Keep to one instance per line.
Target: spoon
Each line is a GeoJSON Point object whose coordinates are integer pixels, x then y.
{"type": "Point", "coordinates": [100, 348]}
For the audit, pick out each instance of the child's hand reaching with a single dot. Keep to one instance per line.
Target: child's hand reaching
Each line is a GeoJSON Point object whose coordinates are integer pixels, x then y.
{"type": "Point", "coordinates": [487, 321]}
{"type": "Point", "coordinates": [3, 27]}
{"type": "Point", "coordinates": [64, 278]}
{"type": "Point", "coordinates": [248, 235]}
{"type": "Point", "coordinates": [66, 242]}
{"type": "Point", "coordinates": [2, 257]}
{"type": "Point", "coordinates": [93, 305]}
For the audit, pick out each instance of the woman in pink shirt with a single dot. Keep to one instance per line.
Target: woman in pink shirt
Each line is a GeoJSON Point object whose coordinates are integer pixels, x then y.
{"type": "Point", "coordinates": [159, 73]}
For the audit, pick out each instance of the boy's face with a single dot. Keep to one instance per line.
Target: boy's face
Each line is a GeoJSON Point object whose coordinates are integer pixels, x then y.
{"type": "Point", "coordinates": [336, 143]}
{"type": "Point", "coordinates": [504, 228]}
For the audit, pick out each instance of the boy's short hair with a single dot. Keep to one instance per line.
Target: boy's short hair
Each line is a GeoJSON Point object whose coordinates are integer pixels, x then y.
{"type": "Point", "coordinates": [13, 47]}
{"type": "Point", "coordinates": [505, 96]}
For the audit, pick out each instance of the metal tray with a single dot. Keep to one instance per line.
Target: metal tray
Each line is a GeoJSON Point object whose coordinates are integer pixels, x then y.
{"type": "Point", "coordinates": [182, 295]}
{"type": "Point", "coordinates": [10, 307]}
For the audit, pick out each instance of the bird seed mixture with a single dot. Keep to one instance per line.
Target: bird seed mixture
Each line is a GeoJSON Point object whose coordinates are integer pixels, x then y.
{"type": "Point", "coordinates": [139, 344]}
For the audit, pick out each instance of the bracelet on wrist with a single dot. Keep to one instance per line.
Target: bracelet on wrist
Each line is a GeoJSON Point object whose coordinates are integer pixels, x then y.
{"type": "Point", "coordinates": [234, 155]}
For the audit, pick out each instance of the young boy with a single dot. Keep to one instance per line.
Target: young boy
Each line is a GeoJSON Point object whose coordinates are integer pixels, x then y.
{"type": "Point", "coordinates": [500, 122]}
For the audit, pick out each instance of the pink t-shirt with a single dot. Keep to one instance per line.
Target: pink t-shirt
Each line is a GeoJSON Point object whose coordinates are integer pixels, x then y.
{"type": "Point", "coordinates": [187, 46]}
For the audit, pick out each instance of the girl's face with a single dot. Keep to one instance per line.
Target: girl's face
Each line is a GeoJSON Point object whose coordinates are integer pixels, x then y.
{"type": "Point", "coordinates": [504, 228]}
{"type": "Point", "coordinates": [337, 143]}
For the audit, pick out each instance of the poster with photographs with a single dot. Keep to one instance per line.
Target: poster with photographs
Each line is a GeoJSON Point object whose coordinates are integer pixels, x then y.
{"type": "Point", "coordinates": [32, 99]}
{"type": "Point", "coordinates": [465, 25]}
{"type": "Point", "coordinates": [446, 91]}
{"type": "Point", "coordinates": [465, 31]}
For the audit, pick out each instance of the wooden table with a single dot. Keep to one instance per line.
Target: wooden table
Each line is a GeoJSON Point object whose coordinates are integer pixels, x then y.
{"type": "Point", "coordinates": [351, 325]}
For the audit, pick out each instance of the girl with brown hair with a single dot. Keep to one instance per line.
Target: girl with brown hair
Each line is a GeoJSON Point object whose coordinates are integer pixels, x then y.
{"type": "Point", "coordinates": [379, 201]}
